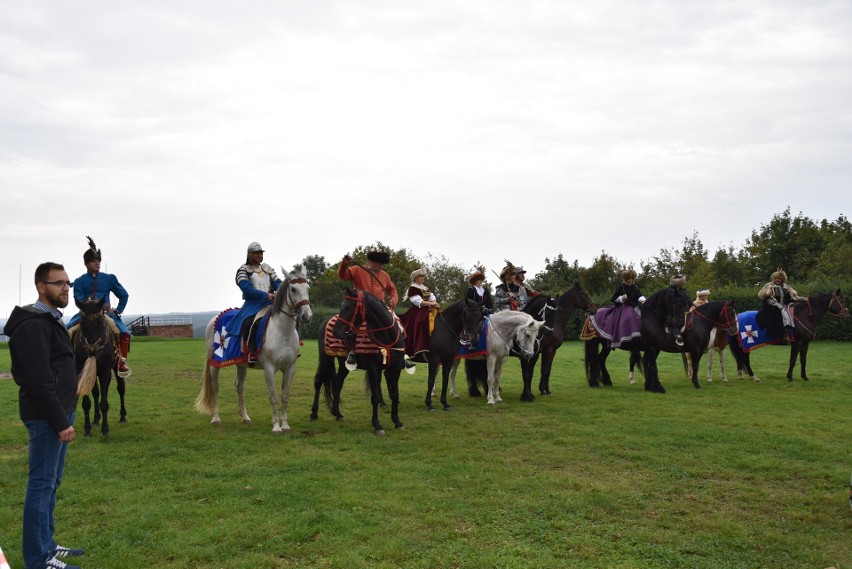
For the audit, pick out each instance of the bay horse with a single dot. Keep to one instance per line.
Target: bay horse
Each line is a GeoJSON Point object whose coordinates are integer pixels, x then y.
{"type": "Point", "coordinates": [96, 360]}
{"type": "Point", "coordinates": [279, 350]}
{"type": "Point", "coordinates": [663, 314]}
{"type": "Point", "coordinates": [465, 316]}
{"type": "Point", "coordinates": [383, 331]}
{"type": "Point", "coordinates": [554, 312]}
{"type": "Point", "coordinates": [806, 316]}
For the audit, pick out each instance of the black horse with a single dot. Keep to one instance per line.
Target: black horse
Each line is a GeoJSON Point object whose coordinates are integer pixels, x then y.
{"type": "Point", "coordinates": [94, 354]}
{"type": "Point", "coordinates": [807, 315]}
{"type": "Point", "coordinates": [663, 314]}
{"type": "Point", "coordinates": [554, 312]}
{"type": "Point", "coordinates": [463, 316]}
{"type": "Point", "coordinates": [383, 331]}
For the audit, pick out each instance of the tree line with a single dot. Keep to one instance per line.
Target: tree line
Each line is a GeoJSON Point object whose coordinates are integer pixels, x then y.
{"type": "Point", "coordinates": [816, 255]}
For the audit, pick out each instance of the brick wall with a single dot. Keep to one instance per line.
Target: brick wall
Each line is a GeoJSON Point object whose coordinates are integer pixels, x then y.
{"type": "Point", "coordinates": [171, 331]}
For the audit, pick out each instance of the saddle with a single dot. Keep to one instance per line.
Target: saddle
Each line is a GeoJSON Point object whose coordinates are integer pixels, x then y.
{"type": "Point", "coordinates": [334, 346]}
{"type": "Point", "coordinates": [251, 336]}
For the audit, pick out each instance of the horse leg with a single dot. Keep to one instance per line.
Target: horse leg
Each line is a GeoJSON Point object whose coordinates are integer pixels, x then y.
{"type": "Point", "coordinates": [214, 392]}
{"type": "Point", "coordinates": [635, 359]}
{"type": "Point", "coordinates": [454, 367]}
{"type": "Point", "coordinates": [591, 360]}
{"type": "Point", "coordinates": [491, 363]}
{"type": "Point", "coordinates": [686, 357]}
{"type": "Point", "coordinates": [803, 357]}
{"type": "Point", "coordinates": [721, 364]}
{"type": "Point", "coordinates": [269, 375]}
{"type": "Point", "coordinates": [96, 396]}
{"type": "Point", "coordinates": [121, 387]}
{"type": "Point", "coordinates": [87, 407]}
{"type": "Point", "coordinates": [448, 369]}
{"type": "Point", "coordinates": [430, 381]}
{"type": "Point", "coordinates": [652, 378]}
{"type": "Point", "coordinates": [527, 371]}
{"type": "Point", "coordinates": [240, 383]}
{"type": "Point", "coordinates": [546, 365]}
{"type": "Point", "coordinates": [605, 377]}
{"type": "Point", "coordinates": [323, 379]}
{"type": "Point", "coordinates": [695, 356]}
{"type": "Point", "coordinates": [104, 380]}
{"type": "Point", "coordinates": [392, 381]}
{"type": "Point", "coordinates": [374, 379]}
{"type": "Point", "coordinates": [337, 388]}
{"type": "Point", "coordinates": [286, 381]}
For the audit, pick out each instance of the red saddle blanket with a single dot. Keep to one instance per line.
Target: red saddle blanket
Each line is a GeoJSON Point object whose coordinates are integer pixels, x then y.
{"type": "Point", "coordinates": [334, 346]}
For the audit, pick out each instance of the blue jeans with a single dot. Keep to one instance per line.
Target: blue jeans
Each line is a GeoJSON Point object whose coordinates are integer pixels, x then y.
{"type": "Point", "coordinates": [47, 463]}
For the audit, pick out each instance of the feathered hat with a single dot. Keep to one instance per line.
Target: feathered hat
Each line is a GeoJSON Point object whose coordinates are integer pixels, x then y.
{"type": "Point", "coordinates": [381, 257]}
{"type": "Point", "coordinates": [92, 253]}
{"type": "Point", "coordinates": [477, 275]}
{"type": "Point", "coordinates": [508, 271]}
{"type": "Point", "coordinates": [628, 274]}
{"type": "Point", "coordinates": [421, 272]}
{"type": "Point", "coordinates": [780, 274]}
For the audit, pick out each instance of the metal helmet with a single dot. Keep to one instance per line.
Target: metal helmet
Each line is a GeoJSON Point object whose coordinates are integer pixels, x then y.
{"type": "Point", "coordinates": [254, 247]}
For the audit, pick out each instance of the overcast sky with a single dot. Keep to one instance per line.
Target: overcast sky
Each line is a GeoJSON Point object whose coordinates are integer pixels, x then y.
{"type": "Point", "coordinates": [175, 133]}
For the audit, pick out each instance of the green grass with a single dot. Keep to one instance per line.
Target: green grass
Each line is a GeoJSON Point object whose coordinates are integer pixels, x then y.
{"type": "Point", "coordinates": [735, 475]}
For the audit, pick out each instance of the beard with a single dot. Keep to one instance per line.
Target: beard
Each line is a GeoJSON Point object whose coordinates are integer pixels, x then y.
{"type": "Point", "coordinates": [59, 300]}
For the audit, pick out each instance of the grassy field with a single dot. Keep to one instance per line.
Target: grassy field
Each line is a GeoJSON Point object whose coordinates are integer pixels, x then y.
{"type": "Point", "coordinates": [735, 475]}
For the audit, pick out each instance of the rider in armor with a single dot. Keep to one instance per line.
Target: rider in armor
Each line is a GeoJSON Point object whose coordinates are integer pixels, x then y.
{"type": "Point", "coordinates": [258, 283]}
{"type": "Point", "coordinates": [100, 285]}
{"type": "Point", "coordinates": [777, 297]}
{"type": "Point", "coordinates": [520, 275]}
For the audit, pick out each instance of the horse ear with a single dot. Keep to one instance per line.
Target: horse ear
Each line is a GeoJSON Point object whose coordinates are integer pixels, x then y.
{"type": "Point", "coordinates": [79, 304]}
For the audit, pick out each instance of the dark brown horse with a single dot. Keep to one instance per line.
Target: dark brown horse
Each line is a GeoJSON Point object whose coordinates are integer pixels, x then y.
{"type": "Point", "coordinates": [383, 330]}
{"type": "Point", "coordinates": [806, 315]}
{"type": "Point", "coordinates": [94, 354]}
{"type": "Point", "coordinates": [554, 312]}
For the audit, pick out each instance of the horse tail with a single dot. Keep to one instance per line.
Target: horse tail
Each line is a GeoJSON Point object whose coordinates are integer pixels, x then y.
{"type": "Point", "coordinates": [476, 372]}
{"type": "Point", "coordinates": [204, 401]}
{"type": "Point", "coordinates": [88, 376]}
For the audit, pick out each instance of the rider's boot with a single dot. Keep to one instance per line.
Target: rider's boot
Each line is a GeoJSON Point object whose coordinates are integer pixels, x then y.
{"type": "Point", "coordinates": [123, 350]}
{"type": "Point", "coordinates": [791, 333]}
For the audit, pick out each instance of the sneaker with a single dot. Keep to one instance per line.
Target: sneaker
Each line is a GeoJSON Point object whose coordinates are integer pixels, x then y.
{"type": "Point", "coordinates": [54, 563]}
{"type": "Point", "coordinates": [66, 551]}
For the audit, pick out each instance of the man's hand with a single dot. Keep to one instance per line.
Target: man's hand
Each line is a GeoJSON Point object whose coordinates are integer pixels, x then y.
{"type": "Point", "coordinates": [67, 435]}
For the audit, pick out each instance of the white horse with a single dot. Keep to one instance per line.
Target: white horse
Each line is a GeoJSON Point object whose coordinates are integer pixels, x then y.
{"type": "Point", "coordinates": [279, 352]}
{"type": "Point", "coordinates": [503, 327]}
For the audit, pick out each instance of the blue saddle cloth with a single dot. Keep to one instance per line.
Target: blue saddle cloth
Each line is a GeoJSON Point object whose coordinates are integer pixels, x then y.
{"type": "Point", "coordinates": [481, 347]}
{"type": "Point", "coordinates": [751, 336]}
{"type": "Point", "coordinates": [228, 349]}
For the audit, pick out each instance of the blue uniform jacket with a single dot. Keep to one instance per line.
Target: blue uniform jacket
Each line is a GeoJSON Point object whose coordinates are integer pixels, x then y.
{"type": "Point", "coordinates": [84, 286]}
{"type": "Point", "coordinates": [253, 301]}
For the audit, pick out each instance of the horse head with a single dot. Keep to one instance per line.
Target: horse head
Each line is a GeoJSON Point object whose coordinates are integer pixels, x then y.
{"type": "Point", "coordinates": [526, 335]}
{"type": "Point", "coordinates": [91, 307]}
{"type": "Point", "coordinates": [352, 312]}
{"type": "Point", "coordinates": [577, 297]}
{"type": "Point", "coordinates": [293, 299]}
{"type": "Point", "coordinates": [472, 320]}
{"type": "Point", "coordinates": [836, 306]}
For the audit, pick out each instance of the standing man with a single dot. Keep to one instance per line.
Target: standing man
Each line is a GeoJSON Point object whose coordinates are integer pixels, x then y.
{"type": "Point", "coordinates": [100, 285]}
{"type": "Point", "coordinates": [258, 282]}
{"type": "Point", "coordinates": [43, 367]}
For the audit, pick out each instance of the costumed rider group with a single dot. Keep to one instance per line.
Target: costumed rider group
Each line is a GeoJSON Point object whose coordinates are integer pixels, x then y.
{"type": "Point", "coordinates": [371, 278]}
{"type": "Point", "coordinates": [100, 285]}
{"type": "Point", "coordinates": [258, 283]}
{"type": "Point", "coordinates": [419, 320]}
{"type": "Point", "coordinates": [775, 316]}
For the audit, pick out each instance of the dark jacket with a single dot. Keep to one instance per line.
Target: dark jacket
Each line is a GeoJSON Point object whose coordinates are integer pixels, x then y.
{"type": "Point", "coordinates": [632, 291]}
{"type": "Point", "coordinates": [43, 366]}
{"type": "Point", "coordinates": [484, 300]}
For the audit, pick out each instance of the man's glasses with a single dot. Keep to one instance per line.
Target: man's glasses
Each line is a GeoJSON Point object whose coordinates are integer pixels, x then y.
{"type": "Point", "coordinates": [60, 284]}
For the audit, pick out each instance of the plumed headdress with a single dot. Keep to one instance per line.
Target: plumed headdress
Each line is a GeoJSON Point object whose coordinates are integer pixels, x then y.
{"type": "Point", "coordinates": [381, 257]}
{"type": "Point", "coordinates": [477, 275]}
{"type": "Point", "coordinates": [421, 272]}
{"type": "Point", "coordinates": [507, 272]}
{"type": "Point", "coordinates": [678, 280]}
{"type": "Point", "coordinates": [780, 274]}
{"type": "Point", "coordinates": [92, 252]}
{"type": "Point", "coordinates": [628, 274]}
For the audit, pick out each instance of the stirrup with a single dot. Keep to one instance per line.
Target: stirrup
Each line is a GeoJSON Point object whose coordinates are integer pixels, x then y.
{"type": "Point", "coordinates": [409, 365]}
{"type": "Point", "coordinates": [679, 341]}
{"type": "Point", "coordinates": [122, 370]}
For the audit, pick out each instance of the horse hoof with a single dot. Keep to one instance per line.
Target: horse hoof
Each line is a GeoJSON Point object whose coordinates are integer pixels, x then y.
{"type": "Point", "coordinates": [216, 422]}
{"type": "Point", "coordinates": [314, 417]}
{"type": "Point", "coordinates": [246, 421]}
{"type": "Point", "coordinates": [339, 418]}
{"type": "Point", "coordinates": [456, 396]}
{"type": "Point", "coordinates": [805, 379]}
{"type": "Point", "coordinates": [123, 420]}
{"type": "Point", "coordinates": [447, 407]}
{"type": "Point", "coordinates": [88, 434]}
{"type": "Point", "coordinates": [379, 432]}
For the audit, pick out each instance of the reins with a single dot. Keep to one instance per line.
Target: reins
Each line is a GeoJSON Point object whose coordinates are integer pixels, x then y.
{"type": "Point", "coordinates": [726, 325]}
{"type": "Point", "coordinates": [361, 310]}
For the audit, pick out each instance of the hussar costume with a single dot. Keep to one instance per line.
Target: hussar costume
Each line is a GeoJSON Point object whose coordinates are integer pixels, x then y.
{"type": "Point", "coordinates": [257, 282]}
{"type": "Point", "coordinates": [101, 285]}
{"type": "Point", "coordinates": [775, 315]}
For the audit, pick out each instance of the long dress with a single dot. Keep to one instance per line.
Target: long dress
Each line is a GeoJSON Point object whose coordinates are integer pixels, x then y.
{"type": "Point", "coordinates": [418, 322]}
{"type": "Point", "coordinates": [620, 323]}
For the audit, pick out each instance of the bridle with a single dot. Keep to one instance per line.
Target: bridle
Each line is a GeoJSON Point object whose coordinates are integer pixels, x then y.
{"type": "Point", "coordinates": [290, 303]}
{"type": "Point", "coordinates": [730, 324]}
{"type": "Point", "coordinates": [93, 348]}
{"type": "Point", "coordinates": [466, 310]}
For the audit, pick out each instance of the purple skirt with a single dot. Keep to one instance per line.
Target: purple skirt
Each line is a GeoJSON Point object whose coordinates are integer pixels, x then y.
{"type": "Point", "coordinates": [618, 324]}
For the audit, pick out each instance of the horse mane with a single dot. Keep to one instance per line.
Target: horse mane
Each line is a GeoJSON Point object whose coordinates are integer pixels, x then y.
{"type": "Point", "coordinates": [668, 296]}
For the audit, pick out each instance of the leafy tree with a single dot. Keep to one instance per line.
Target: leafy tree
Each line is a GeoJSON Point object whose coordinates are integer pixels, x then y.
{"type": "Point", "coordinates": [558, 276]}
{"type": "Point", "coordinates": [312, 267]}
{"type": "Point", "coordinates": [729, 268]}
{"type": "Point", "coordinates": [602, 276]}
{"type": "Point", "coordinates": [447, 280]}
